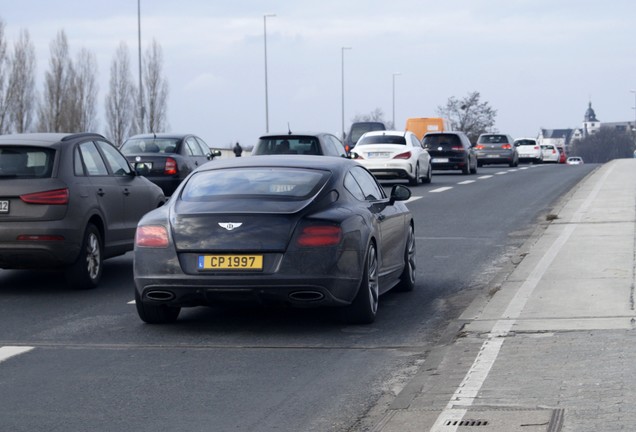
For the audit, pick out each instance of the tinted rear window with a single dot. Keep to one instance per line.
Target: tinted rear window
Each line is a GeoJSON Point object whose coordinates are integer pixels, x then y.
{"type": "Point", "coordinates": [26, 162]}
{"type": "Point", "coordinates": [359, 129]}
{"type": "Point", "coordinates": [442, 140]}
{"type": "Point", "coordinates": [149, 145]}
{"type": "Point", "coordinates": [256, 182]}
{"type": "Point", "coordinates": [525, 143]}
{"type": "Point", "coordinates": [493, 139]}
{"type": "Point", "coordinates": [308, 145]}
{"type": "Point", "coordinates": [382, 139]}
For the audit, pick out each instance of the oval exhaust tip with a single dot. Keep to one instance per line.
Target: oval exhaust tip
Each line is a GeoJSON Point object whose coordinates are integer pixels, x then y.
{"type": "Point", "coordinates": [306, 296]}
{"type": "Point", "coordinates": [160, 295]}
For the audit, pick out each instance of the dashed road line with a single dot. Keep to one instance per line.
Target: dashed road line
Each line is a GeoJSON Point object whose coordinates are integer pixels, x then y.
{"type": "Point", "coordinates": [484, 177]}
{"type": "Point", "coordinates": [6, 352]}
{"type": "Point", "coordinates": [442, 189]}
{"type": "Point", "coordinates": [501, 173]}
{"type": "Point", "coordinates": [467, 182]}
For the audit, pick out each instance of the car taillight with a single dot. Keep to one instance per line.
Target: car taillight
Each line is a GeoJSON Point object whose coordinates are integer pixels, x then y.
{"type": "Point", "coordinates": [52, 197]}
{"type": "Point", "coordinates": [171, 166]}
{"type": "Point", "coordinates": [537, 147]}
{"type": "Point", "coordinates": [320, 235]}
{"type": "Point", "coordinates": [151, 236]}
{"type": "Point", "coordinates": [479, 147]}
{"type": "Point", "coordinates": [405, 155]}
{"type": "Point", "coordinates": [457, 148]}
{"type": "Point", "coordinates": [506, 146]}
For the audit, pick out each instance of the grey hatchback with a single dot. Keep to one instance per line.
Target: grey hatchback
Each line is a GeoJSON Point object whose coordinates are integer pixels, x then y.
{"type": "Point", "coordinates": [495, 148]}
{"type": "Point", "coordinates": [68, 201]}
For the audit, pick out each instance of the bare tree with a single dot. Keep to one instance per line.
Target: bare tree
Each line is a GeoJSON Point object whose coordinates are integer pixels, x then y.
{"type": "Point", "coordinates": [22, 84]}
{"type": "Point", "coordinates": [156, 90]}
{"type": "Point", "coordinates": [5, 89]}
{"type": "Point", "coordinates": [469, 115]}
{"type": "Point", "coordinates": [82, 94]}
{"type": "Point", "coordinates": [606, 144]}
{"type": "Point", "coordinates": [120, 100]}
{"type": "Point", "coordinates": [53, 116]}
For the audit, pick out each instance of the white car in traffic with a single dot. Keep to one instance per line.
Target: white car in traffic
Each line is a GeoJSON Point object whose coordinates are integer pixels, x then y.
{"type": "Point", "coordinates": [529, 150]}
{"type": "Point", "coordinates": [394, 155]}
{"type": "Point", "coordinates": [550, 153]}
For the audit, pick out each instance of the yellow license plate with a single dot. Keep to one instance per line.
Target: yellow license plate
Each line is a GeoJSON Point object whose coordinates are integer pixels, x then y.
{"type": "Point", "coordinates": [230, 262]}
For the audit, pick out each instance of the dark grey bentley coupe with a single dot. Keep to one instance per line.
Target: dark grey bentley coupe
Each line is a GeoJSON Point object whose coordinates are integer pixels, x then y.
{"type": "Point", "coordinates": [301, 230]}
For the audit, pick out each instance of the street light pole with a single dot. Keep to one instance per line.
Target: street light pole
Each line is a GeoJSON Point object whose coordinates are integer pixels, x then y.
{"type": "Point", "coordinates": [634, 127]}
{"type": "Point", "coordinates": [342, 50]}
{"type": "Point", "coordinates": [394, 75]}
{"type": "Point", "coordinates": [266, 95]}
{"type": "Point", "coordinates": [141, 89]}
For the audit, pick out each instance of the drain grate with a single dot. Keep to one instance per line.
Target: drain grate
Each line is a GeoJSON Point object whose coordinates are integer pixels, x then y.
{"type": "Point", "coordinates": [466, 423]}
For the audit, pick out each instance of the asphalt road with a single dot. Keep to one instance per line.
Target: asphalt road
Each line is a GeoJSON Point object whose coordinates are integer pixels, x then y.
{"type": "Point", "coordinates": [95, 366]}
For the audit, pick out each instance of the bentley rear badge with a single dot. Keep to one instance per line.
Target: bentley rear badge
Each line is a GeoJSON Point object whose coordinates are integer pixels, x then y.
{"type": "Point", "coordinates": [230, 225]}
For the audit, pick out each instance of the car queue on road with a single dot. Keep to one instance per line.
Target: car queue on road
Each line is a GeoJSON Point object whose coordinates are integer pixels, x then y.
{"type": "Point", "coordinates": [269, 229]}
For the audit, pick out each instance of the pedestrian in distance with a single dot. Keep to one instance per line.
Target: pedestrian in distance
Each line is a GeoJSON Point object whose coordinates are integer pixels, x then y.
{"type": "Point", "coordinates": [238, 150]}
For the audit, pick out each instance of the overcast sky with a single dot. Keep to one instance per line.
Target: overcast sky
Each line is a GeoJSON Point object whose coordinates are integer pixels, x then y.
{"type": "Point", "coordinates": [537, 62]}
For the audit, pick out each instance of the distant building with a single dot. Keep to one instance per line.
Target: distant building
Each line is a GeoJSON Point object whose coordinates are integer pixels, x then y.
{"type": "Point", "coordinates": [590, 126]}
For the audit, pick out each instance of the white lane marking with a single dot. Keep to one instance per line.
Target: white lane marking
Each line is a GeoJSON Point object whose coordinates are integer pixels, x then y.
{"type": "Point", "coordinates": [523, 168]}
{"type": "Point", "coordinates": [468, 390]}
{"type": "Point", "coordinates": [484, 177]}
{"type": "Point", "coordinates": [442, 189]}
{"type": "Point", "coordinates": [501, 173]}
{"type": "Point", "coordinates": [7, 352]}
{"type": "Point", "coordinates": [513, 170]}
{"type": "Point", "coordinates": [131, 302]}
{"type": "Point", "coordinates": [413, 198]}
{"type": "Point", "coordinates": [467, 182]}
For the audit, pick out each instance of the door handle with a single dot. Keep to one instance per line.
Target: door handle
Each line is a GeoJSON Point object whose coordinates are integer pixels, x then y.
{"type": "Point", "coordinates": [101, 192]}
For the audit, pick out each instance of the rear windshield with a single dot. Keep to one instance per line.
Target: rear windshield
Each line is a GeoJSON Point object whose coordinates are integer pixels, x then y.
{"type": "Point", "coordinates": [382, 139]}
{"type": "Point", "coordinates": [525, 142]}
{"type": "Point", "coordinates": [493, 139]}
{"type": "Point", "coordinates": [149, 145]}
{"type": "Point", "coordinates": [308, 145]}
{"type": "Point", "coordinates": [359, 129]}
{"type": "Point", "coordinates": [441, 140]}
{"type": "Point", "coordinates": [256, 182]}
{"type": "Point", "coordinates": [26, 162]}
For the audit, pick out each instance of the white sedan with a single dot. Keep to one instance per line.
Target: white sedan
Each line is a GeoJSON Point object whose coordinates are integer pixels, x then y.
{"type": "Point", "coordinates": [394, 155]}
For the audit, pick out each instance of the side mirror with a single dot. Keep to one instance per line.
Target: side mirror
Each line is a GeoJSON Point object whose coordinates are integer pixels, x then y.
{"type": "Point", "coordinates": [400, 193]}
{"type": "Point", "coordinates": [213, 154]}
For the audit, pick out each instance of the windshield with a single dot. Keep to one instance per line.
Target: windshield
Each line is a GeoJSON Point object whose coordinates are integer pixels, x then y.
{"type": "Point", "coordinates": [441, 140]}
{"type": "Point", "coordinates": [26, 162]}
{"type": "Point", "coordinates": [265, 182]}
{"type": "Point", "coordinates": [359, 129]}
{"type": "Point", "coordinates": [493, 139]}
{"type": "Point", "coordinates": [149, 145]}
{"type": "Point", "coordinates": [382, 139]}
{"type": "Point", "coordinates": [308, 145]}
{"type": "Point", "coordinates": [525, 143]}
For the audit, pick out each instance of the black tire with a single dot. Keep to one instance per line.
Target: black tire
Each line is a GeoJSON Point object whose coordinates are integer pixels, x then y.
{"type": "Point", "coordinates": [156, 313]}
{"type": "Point", "coordinates": [86, 271]}
{"type": "Point", "coordinates": [429, 175]}
{"type": "Point", "coordinates": [407, 278]}
{"type": "Point", "coordinates": [466, 168]}
{"type": "Point", "coordinates": [416, 180]}
{"type": "Point", "coordinates": [364, 307]}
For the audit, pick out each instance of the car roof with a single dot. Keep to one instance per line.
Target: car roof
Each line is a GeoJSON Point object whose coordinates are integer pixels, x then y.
{"type": "Point", "coordinates": [44, 138]}
{"type": "Point", "coordinates": [285, 160]}
{"type": "Point", "coordinates": [525, 139]}
{"type": "Point", "coordinates": [294, 134]}
{"type": "Point", "coordinates": [387, 132]}
{"type": "Point", "coordinates": [160, 135]}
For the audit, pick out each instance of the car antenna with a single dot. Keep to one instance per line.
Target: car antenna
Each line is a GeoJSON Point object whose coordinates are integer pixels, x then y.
{"type": "Point", "coordinates": [289, 132]}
